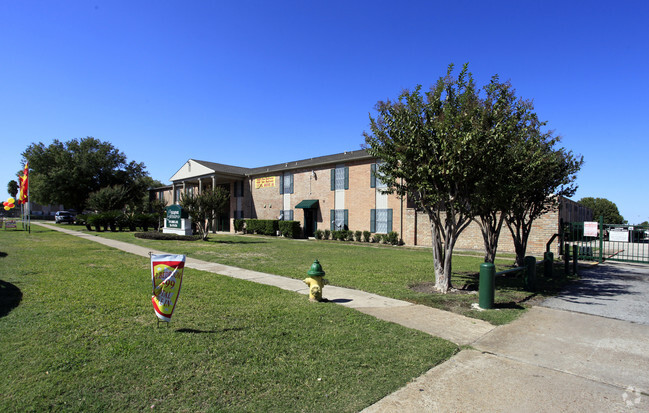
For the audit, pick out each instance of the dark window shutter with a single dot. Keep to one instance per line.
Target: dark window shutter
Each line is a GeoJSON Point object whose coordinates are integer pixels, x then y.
{"type": "Point", "coordinates": [389, 220]}
{"type": "Point", "coordinates": [347, 177]}
{"type": "Point", "coordinates": [372, 220]}
{"type": "Point", "coordinates": [291, 188]}
{"type": "Point", "coordinates": [281, 184]}
{"type": "Point", "coordinates": [373, 177]}
{"type": "Point", "coordinates": [346, 219]}
{"type": "Point", "coordinates": [332, 218]}
{"type": "Point", "coordinates": [333, 179]}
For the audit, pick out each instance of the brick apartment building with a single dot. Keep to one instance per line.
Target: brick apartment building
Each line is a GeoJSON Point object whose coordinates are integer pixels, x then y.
{"type": "Point", "coordinates": [336, 192]}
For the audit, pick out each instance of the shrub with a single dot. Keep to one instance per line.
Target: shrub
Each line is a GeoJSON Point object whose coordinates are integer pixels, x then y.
{"type": "Point", "coordinates": [290, 229]}
{"type": "Point", "coordinates": [384, 238]}
{"type": "Point", "coordinates": [393, 238]}
{"type": "Point", "coordinates": [350, 235]}
{"type": "Point", "coordinates": [327, 233]}
{"type": "Point", "coordinates": [82, 219]}
{"type": "Point", "coordinates": [97, 221]}
{"type": "Point", "coordinates": [358, 235]}
{"type": "Point", "coordinates": [166, 237]}
{"type": "Point", "coordinates": [366, 236]}
{"type": "Point", "coordinates": [334, 235]}
{"type": "Point", "coordinates": [262, 226]}
{"type": "Point", "coordinates": [376, 238]}
{"type": "Point", "coordinates": [142, 221]}
{"type": "Point", "coordinates": [238, 225]}
{"type": "Point", "coordinates": [110, 219]}
{"type": "Point", "coordinates": [318, 234]}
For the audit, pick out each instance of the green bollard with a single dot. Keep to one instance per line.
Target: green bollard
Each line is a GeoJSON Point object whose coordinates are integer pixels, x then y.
{"type": "Point", "coordinates": [487, 286]}
{"type": "Point", "coordinates": [575, 256]}
{"type": "Point", "coordinates": [530, 273]}
{"type": "Point", "coordinates": [566, 261]}
{"type": "Point", "coordinates": [548, 265]}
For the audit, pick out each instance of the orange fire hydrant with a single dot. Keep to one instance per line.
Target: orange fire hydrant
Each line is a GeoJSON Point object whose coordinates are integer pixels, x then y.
{"type": "Point", "coordinates": [315, 281]}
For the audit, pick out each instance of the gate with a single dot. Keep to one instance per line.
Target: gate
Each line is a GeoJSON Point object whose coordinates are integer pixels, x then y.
{"type": "Point", "coordinates": [597, 241]}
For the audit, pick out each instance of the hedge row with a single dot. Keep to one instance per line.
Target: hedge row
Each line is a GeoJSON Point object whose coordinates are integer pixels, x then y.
{"type": "Point", "coordinates": [117, 220]}
{"type": "Point", "coordinates": [288, 229]}
{"type": "Point", "coordinates": [358, 236]}
{"type": "Point", "coordinates": [166, 237]}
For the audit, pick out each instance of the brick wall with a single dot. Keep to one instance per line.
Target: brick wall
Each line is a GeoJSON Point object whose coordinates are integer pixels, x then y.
{"type": "Point", "coordinates": [418, 232]}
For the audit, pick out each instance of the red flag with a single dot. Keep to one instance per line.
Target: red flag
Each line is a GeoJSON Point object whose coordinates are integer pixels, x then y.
{"type": "Point", "coordinates": [24, 185]}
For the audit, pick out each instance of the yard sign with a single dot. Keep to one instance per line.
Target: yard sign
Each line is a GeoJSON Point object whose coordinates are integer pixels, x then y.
{"type": "Point", "coordinates": [167, 277]}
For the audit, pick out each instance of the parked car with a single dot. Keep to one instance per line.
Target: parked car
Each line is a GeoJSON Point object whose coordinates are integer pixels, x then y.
{"type": "Point", "coordinates": [64, 216]}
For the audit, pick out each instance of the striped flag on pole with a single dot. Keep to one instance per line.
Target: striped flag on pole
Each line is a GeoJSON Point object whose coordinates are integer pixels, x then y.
{"type": "Point", "coordinates": [167, 278]}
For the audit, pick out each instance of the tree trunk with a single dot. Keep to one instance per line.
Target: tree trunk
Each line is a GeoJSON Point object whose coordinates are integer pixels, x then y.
{"type": "Point", "coordinates": [520, 231]}
{"type": "Point", "coordinates": [490, 226]}
{"type": "Point", "coordinates": [442, 277]}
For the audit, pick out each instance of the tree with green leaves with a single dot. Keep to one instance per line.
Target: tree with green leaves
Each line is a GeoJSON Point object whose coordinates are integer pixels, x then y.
{"type": "Point", "coordinates": [504, 121]}
{"type": "Point", "coordinates": [542, 175]}
{"type": "Point", "coordinates": [205, 207]}
{"type": "Point", "coordinates": [68, 172]}
{"type": "Point", "coordinates": [603, 207]}
{"type": "Point", "coordinates": [12, 188]}
{"type": "Point", "coordinates": [110, 198]}
{"type": "Point", "coordinates": [429, 146]}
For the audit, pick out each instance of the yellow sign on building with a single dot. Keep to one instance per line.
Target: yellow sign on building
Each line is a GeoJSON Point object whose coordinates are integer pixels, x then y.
{"type": "Point", "coordinates": [265, 182]}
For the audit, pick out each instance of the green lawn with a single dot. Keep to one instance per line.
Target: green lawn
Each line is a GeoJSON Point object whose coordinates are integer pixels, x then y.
{"type": "Point", "coordinates": [397, 272]}
{"type": "Point", "coordinates": [78, 333]}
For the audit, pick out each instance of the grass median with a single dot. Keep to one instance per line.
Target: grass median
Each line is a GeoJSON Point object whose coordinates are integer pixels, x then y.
{"type": "Point", "coordinates": [397, 272]}
{"type": "Point", "coordinates": [78, 333]}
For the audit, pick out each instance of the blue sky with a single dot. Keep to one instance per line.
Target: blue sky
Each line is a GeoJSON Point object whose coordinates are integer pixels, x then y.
{"type": "Point", "coordinates": [253, 83]}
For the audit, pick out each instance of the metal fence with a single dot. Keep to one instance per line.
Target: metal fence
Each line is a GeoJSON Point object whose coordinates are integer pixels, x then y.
{"type": "Point", "coordinates": [597, 241]}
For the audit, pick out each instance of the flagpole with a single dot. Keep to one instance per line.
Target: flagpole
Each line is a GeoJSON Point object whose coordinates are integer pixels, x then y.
{"type": "Point", "coordinates": [29, 215]}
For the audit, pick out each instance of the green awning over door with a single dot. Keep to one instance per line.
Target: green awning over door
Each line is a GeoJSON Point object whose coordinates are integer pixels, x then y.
{"type": "Point", "coordinates": [307, 204]}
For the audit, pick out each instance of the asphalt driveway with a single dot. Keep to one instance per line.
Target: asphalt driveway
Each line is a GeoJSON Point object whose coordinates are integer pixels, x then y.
{"type": "Point", "coordinates": [612, 290]}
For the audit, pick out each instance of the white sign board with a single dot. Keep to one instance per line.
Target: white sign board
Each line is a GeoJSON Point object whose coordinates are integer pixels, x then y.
{"type": "Point", "coordinates": [590, 229]}
{"type": "Point", "coordinates": [620, 236]}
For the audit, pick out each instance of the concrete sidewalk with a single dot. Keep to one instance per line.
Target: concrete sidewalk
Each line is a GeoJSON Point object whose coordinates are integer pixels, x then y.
{"type": "Point", "coordinates": [450, 326]}
{"type": "Point", "coordinates": [551, 359]}
{"type": "Point", "coordinates": [548, 360]}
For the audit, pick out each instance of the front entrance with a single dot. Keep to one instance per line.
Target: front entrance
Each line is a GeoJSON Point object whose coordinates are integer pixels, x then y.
{"type": "Point", "coordinates": [309, 222]}
{"type": "Point", "coordinates": [310, 208]}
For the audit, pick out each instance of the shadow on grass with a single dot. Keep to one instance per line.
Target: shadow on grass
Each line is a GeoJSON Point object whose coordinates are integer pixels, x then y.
{"type": "Point", "coordinates": [194, 331]}
{"type": "Point", "coordinates": [10, 297]}
{"type": "Point", "coordinates": [512, 305]}
{"type": "Point", "coordinates": [3, 254]}
{"type": "Point", "coordinates": [229, 242]}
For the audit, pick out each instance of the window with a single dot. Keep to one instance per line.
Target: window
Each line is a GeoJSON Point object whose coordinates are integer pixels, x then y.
{"type": "Point", "coordinates": [339, 219]}
{"type": "Point", "coordinates": [286, 183]}
{"type": "Point", "coordinates": [340, 177]}
{"type": "Point", "coordinates": [238, 214]}
{"type": "Point", "coordinates": [381, 221]}
{"type": "Point", "coordinates": [178, 192]}
{"type": "Point", "coordinates": [286, 215]}
{"type": "Point", "coordinates": [161, 196]}
{"type": "Point", "coordinates": [375, 180]}
{"type": "Point", "coordinates": [238, 189]}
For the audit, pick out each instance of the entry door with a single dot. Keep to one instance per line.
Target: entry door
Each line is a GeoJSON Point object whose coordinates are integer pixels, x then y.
{"type": "Point", "coordinates": [309, 222]}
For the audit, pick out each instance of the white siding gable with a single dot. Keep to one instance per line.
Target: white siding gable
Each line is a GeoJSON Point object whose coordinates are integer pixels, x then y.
{"type": "Point", "coordinates": [191, 169]}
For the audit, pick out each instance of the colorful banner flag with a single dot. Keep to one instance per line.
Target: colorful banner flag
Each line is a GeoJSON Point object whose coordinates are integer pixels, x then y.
{"type": "Point", "coordinates": [167, 277]}
{"type": "Point", "coordinates": [24, 185]}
